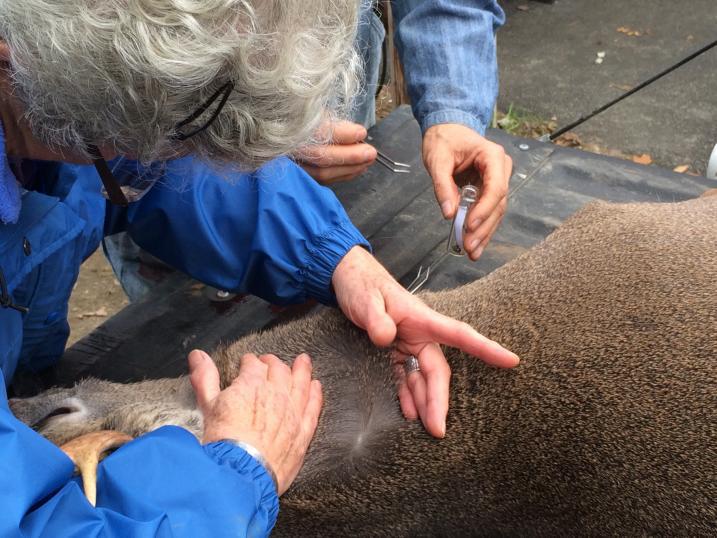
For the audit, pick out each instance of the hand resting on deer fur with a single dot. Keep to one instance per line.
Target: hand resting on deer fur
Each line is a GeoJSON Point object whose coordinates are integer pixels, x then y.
{"type": "Point", "coordinates": [607, 427]}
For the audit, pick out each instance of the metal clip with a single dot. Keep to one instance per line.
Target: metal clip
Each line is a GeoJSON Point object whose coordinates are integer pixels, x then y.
{"type": "Point", "coordinates": [469, 194]}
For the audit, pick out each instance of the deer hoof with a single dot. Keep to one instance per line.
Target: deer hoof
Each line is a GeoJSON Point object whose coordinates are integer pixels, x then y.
{"type": "Point", "coordinates": [85, 452]}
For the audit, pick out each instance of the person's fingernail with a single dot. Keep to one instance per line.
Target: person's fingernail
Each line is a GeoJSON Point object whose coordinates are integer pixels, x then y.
{"type": "Point", "coordinates": [443, 428]}
{"type": "Point", "coordinates": [447, 208]}
{"type": "Point", "coordinates": [475, 223]}
{"type": "Point", "coordinates": [195, 358]}
{"type": "Point", "coordinates": [478, 252]}
{"type": "Point", "coordinates": [369, 154]}
{"type": "Point", "coordinates": [473, 244]}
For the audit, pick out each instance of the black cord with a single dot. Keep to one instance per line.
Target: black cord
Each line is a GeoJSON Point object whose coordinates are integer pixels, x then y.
{"type": "Point", "coordinates": [224, 92]}
{"type": "Point", "coordinates": [5, 299]}
{"type": "Point", "coordinates": [636, 89]}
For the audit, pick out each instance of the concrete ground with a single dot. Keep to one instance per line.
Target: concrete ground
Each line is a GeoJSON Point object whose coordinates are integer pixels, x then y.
{"type": "Point", "coordinates": [547, 56]}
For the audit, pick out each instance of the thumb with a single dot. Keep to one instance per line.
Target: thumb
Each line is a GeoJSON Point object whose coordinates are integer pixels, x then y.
{"type": "Point", "coordinates": [380, 326]}
{"type": "Point", "coordinates": [204, 377]}
{"type": "Point", "coordinates": [440, 166]}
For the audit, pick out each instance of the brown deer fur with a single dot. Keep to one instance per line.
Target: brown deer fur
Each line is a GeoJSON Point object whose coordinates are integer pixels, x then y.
{"type": "Point", "coordinates": [607, 427]}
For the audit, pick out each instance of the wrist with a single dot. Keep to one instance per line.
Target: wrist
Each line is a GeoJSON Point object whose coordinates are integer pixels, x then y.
{"type": "Point", "coordinates": [257, 455]}
{"type": "Point", "coordinates": [355, 257]}
{"type": "Point", "coordinates": [455, 117]}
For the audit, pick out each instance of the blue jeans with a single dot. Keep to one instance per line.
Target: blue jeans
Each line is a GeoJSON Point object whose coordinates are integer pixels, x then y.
{"type": "Point", "coordinates": [369, 42]}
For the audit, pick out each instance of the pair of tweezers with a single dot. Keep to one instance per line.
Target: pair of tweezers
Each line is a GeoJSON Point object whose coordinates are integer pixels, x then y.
{"type": "Point", "coordinates": [388, 162]}
{"type": "Point", "coordinates": [393, 166]}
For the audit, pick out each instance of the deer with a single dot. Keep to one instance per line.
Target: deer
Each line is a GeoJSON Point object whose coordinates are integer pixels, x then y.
{"type": "Point", "coordinates": [607, 427]}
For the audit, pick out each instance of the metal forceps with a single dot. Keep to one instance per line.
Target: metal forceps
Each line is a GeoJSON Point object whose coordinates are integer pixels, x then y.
{"type": "Point", "coordinates": [388, 162]}
{"type": "Point", "coordinates": [423, 276]}
{"type": "Point", "coordinates": [454, 247]}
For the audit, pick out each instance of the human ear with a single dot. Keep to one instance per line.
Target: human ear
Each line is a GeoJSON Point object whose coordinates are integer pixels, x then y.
{"type": "Point", "coordinates": [4, 52]}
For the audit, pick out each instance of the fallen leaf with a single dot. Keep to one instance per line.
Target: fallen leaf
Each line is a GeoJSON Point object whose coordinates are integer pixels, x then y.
{"type": "Point", "coordinates": [681, 169]}
{"type": "Point", "coordinates": [99, 313]}
{"type": "Point", "coordinates": [642, 159]}
{"type": "Point", "coordinates": [623, 87]}
{"type": "Point", "coordinates": [569, 140]}
{"type": "Point", "coordinates": [629, 31]}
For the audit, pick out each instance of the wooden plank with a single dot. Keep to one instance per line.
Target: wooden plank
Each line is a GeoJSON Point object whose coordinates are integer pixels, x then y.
{"type": "Point", "coordinates": [399, 92]}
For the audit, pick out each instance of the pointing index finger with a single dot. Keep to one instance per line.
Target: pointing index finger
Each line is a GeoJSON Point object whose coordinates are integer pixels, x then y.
{"type": "Point", "coordinates": [460, 335]}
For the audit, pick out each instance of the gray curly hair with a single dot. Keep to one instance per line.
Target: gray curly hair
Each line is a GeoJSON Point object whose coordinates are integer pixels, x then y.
{"type": "Point", "coordinates": [124, 73]}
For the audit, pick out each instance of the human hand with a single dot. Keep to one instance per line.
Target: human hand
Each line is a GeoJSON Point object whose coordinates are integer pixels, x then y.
{"type": "Point", "coordinates": [344, 158]}
{"type": "Point", "coordinates": [453, 152]}
{"type": "Point", "coordinates": [273, 408]}
{"type": "Point", "coordinates": [374, 301]}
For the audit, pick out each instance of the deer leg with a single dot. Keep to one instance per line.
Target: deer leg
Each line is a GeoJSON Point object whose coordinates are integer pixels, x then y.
{"type": "Point", "coordinates": [85, 452]}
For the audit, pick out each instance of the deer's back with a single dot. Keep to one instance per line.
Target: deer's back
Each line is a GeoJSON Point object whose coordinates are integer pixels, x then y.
{"type": "Point", "coordinates": [606, 427]}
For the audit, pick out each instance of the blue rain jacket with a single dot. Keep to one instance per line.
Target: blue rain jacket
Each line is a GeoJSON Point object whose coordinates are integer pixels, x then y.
{"type": "Point", "coordinates": [275, 233]}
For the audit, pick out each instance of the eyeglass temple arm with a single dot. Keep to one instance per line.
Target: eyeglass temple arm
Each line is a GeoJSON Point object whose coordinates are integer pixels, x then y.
{"type": "Point", "coordinates": [114, 192]}
{"type": "Point", "coordinates": [224, 91]}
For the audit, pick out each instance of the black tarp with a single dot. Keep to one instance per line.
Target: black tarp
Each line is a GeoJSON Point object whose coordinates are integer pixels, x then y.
{"type": "Point", "coordinates": [399, 215]}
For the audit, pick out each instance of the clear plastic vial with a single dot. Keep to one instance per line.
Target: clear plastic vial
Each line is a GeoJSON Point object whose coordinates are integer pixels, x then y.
{"type": "Point", "coordinates": [469, 194]}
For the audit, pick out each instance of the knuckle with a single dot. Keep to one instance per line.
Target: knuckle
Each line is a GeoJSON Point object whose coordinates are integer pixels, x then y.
{"type": "Point", "coordinates": [322, 174]}
{"type": "Point", "coordinates": [496, 150]}
{"type": "Point", "coordinates": [248, 358]}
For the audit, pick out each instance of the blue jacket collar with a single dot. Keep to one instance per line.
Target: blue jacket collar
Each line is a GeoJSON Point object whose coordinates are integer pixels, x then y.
{"type": "Point", "coordinates": [9, 187]}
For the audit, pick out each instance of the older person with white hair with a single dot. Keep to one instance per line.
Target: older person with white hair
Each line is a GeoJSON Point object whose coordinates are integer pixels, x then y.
{"type": "Point", "coordinates": [175, 102]}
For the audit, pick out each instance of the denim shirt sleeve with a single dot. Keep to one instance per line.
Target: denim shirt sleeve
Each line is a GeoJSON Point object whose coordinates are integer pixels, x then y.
{"type": "Point", "coordinates": [448, 52]}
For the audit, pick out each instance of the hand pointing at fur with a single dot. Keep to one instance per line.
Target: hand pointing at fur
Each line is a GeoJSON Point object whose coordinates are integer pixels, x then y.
{"type": "Point", "coordinates": [370, 297]}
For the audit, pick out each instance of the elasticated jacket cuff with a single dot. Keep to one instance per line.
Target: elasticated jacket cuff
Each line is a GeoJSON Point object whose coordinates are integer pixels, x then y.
{"type": "Point", "coordinates": [239, 460]}
{"type": "Point", "coordinates": [325, 254]}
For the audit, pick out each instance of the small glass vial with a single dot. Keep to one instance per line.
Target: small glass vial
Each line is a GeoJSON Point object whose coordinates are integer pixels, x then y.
{"type": "Point", "coordinates": [469, 194]}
